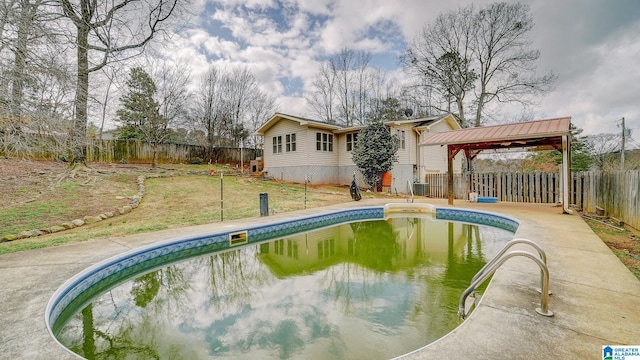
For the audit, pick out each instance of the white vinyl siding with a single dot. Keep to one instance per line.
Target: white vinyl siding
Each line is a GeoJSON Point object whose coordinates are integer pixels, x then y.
{"type": "Point", "coordinates": [345, 156]}
{"type": "Point", "coordinates": [434, 158]}
{"type": "Point", "coordinates": [326, 153]}
{"type": "Point", "coordinates": [293, 151]}
{"type": "Point", "coordinates": [406, 136]}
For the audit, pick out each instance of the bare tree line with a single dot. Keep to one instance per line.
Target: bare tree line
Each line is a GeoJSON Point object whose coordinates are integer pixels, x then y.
{"type": "Point", "coordinates": [64, 66]}
{"type": "Point", "coordinates": [473, 57]}
{"type": "Point", "coordinates": [348, 90]}
{"type": "Point", "coordinates": [64, 63]}
{"type": "Point", "coordinates": [463, 62]}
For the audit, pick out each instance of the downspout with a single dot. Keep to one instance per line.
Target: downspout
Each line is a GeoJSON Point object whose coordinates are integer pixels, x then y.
{"type": "Point", "coordinates": [418, 154]}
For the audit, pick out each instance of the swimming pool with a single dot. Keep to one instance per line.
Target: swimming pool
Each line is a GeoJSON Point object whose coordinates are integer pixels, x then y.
{"type": "Point", "coordinates": [312, 245]}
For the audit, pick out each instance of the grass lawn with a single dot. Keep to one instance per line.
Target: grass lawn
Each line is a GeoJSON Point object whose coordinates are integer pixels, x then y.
{"type": "Point", "coordinates": [37, 195]}
{"type": "Point", "coordinates": [176, 199]}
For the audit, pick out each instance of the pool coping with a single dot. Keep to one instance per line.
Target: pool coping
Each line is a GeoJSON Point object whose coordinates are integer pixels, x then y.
{"type": "Point", "coordinates": [595, 296]}
{"type": "Point", "coordinates": [97, 278]}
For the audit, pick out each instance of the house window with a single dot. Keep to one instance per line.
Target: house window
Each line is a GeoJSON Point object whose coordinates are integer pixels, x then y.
{"type": "Point", "coordinates": [324, 142]}
{"type": "Point", "coordinates": [401, 137]}
{"type": "Point", "coordinates": [351, 141]}
{"type": "Point", "coordinates": [278, 247]}
{"type": "Point", "coordinates": [277, 144]}
{"type": "Point", "coordinates": [292, 249]}
{"type": "Point", "coordinates": [290, 142]}
{"type": "Point", "coordinates": [326, 248]}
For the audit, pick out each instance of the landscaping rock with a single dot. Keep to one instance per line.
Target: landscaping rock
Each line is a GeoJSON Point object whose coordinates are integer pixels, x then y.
{"type": "Point", "coordinates": [9, 238]}
{"type": "Point", "coordinates": [91, 219]}
{"type": "Point", "coordinates": [103, 216]}
{"type": "Point", "coordinates": [56, 228]}
{"type": "Point", "coordinates": [67, 225]}
{"type": "Point", "coordinates": [135, 201]}
{"type": "Point", "coordinates": [24, 234]}
{"type": "Point", "coordinates": [109, 214]}
{"type": "Point", "coordinates": [125, 210]}
{"type": "Point", "coordinates": [77, 222]}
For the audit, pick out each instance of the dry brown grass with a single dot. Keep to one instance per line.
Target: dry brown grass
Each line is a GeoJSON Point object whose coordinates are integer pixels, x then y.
{"type": "Point", "coordinates": [39, 194]}
{"type": "Point", "coordinates": [624, 243]}
{"type": "Point", "coordinates": [182, 195]}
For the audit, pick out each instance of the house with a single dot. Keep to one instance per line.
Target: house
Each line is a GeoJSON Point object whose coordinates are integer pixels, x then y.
{"type": "Point", "coordinates": [298, 149]}
{"type": "Point", "coordinates": [322, 248]}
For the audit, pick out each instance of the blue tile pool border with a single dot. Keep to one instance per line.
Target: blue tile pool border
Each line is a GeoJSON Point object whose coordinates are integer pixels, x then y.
{"type": "Point", "coordinates": [477, 217]}
{"type": "Point", "coordinates": [100, 277]}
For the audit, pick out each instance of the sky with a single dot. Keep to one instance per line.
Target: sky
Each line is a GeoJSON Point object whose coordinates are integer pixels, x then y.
{"type": "Point", "coordinates": [592, 45]}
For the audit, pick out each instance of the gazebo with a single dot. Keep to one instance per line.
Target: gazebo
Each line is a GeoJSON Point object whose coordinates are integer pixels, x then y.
{"type": "Point", "coordinates": [544, 134]}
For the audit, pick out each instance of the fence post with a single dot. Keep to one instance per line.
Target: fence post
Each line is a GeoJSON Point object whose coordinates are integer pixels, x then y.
{"type": "Point", "coordinates": [221, 197]}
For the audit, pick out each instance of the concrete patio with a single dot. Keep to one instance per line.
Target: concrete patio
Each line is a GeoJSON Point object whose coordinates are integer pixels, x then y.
{"type": "Point", "coordinates": [596, 299]}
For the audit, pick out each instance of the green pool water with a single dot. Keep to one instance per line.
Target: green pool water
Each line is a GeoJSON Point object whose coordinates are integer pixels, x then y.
{"type": "Point", "coordinates": [366, 290]}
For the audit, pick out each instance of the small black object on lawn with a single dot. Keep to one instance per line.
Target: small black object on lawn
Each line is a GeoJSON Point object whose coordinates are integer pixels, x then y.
{"type": "Point", "coordinates": [354, 190]}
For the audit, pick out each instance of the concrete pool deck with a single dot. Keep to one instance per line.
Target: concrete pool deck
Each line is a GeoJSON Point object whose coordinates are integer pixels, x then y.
{"type": "Point", "coordinates": [596, 299]}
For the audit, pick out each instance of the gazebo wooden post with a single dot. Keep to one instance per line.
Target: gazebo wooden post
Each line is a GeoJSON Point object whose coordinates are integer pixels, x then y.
{"type": "Point", "coordinates": [566, 172]}
{"type": "Point", "coordinates": [467, 153]}
{"type": "Point", "coordinates": [452, 151]}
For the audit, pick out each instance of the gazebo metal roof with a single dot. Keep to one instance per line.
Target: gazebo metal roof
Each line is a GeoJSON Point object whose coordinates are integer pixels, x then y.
{"type": "Point", "coordinates": [524, 134]}
{"type": "Point", "coordinates": [541, 134]}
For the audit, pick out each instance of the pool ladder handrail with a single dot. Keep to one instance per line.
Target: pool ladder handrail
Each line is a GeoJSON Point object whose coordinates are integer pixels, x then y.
{"type": "Point", "coordinates": [409, 191]}
{"type": "Point", "coordinates": [500, 259]}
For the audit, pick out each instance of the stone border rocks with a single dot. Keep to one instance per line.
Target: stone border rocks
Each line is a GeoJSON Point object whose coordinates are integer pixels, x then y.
{"type": "Point", "coordinates": [89, 219]}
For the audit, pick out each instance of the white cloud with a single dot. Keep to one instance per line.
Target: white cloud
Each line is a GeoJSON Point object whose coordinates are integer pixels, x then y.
{"type": "Point", "coordinates": [591, 45]}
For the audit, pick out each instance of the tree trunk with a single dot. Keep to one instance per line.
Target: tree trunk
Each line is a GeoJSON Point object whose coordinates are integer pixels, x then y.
{"type": "Point", "coordinates": [460, 105]}
{"type": "Point", "coordinates": [79, 132]}
{"type": "Point", "coordinates": [480, 107]}
{"type": "Point", "coordinates": [20, 59]}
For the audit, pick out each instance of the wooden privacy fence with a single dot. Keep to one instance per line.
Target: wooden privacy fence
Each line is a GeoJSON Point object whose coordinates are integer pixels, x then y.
{"type": "Point", "coordinates": [137, 151]}
{"type": "Point", "coordinates": [141, 152]}
{"type": "Point", "coordinates": [618, 192]}
{"type": "Point", "coordinates": [515, 187]}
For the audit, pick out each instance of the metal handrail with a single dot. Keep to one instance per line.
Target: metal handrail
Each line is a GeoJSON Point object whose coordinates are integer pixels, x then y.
{"type": "Point", "coordinates": [544, 294]}
{"type": "Point", "coordinates": [507, 246]}
{"type": "Point", "coordinates": [409, 191]}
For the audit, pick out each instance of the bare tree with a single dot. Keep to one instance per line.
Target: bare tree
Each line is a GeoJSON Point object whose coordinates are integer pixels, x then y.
{"type": "Point", "coordinates": [603, 149]}
{"type": "Point", "coordinates": [442, 56]}
{"type": "Point", "coordinates": [229, 105]}
{"type": "Point", "coordinates": [23, 23]}
{"type": "Point", "coordinates": [110, 74]}
{"type": "Point", "coordinates": [363, 85]}
{"type": "Point", "coordinates": [104, 29]}
{"type": "Point", "coordinates": [346, 88]}
{"type": "Point", "coordinates": [323, 97]}
{"type": "Point", "coordinates": [487, 51]}
{"type": "Point", "coordinates": [171, 79]}
{"type": "Point", "coordinates": [34, 80]}
{"type": "Point", "coordinates": [207, 102]}
{"type": "Point", "coordinates": [342, 64]}
{"type": "Point", "coordinates": [261, 107]}
{"type": "Point", "coordinates": [506, 63]}
{"type": "Point", "coordinates": [240, 87]}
